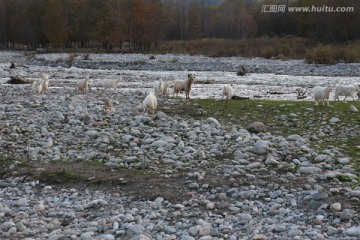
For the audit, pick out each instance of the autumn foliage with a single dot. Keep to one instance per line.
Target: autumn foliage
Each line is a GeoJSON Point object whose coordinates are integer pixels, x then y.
{"type": "Point", "coordinates": [138, 25]}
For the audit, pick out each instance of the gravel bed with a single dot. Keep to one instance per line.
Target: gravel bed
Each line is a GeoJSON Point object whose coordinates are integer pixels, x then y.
{"type": "Point", "coordinates": [272, 187]}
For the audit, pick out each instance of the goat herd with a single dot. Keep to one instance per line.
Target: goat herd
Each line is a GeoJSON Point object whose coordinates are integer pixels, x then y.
{"type": "Point", "coordinates": [149, 104]}
{"type": "Point", "coordinates": [323, 93]}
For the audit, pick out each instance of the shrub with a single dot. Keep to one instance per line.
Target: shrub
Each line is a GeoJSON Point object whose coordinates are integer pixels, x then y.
{"type": "Point", "coordinates": [351, 53]}
{"type": "Point", "coordinates": [259, 47]}
{"type": "Point", "coordinates": [321, 54]}
{"type": "Point", "coordinates": [86, 56]}
{"type": "Point", "coordinates": [267, 52]}
{"type": "Point", "coordinates": [72, 57]}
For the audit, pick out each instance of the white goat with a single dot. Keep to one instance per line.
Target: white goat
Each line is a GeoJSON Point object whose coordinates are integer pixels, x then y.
{"type": "Point", "coordinates": [111, 84]}
{"type": "Point", "coordinates": [322, 93]}
{"type": "Point", "coordinates": [228, 92]}
{"type": "Point", "coordinates": [165, 89]}
{"type": "Point", "coordinates": [160, 88]}
{"type": "Point", "coordinates": [150, 103]}
{"type": "Point", "coordinates": [346, 90]}
{"type": "Point", "coordinates": [83, 85]}
{"type": "Point", "coordinates": [45, 82]}
{"type": "Point", "coordinates": [37, 87]}
{"type": "Point", "coordinates": [184, 85]}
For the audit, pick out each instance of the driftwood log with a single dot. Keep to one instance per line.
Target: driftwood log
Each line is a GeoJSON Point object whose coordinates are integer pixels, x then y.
{"type": "Point", "coordinates": [18, 80]}
{"type": "Point", "coordinates": [12, 65]}
{"type": "Point", "coordinates": [301, 93]}
{"type": "Point", "coordinates": [242, 71]}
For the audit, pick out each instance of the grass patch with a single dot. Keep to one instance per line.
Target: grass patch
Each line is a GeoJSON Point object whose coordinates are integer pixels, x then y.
{"type": "Point", "coordinates": [285, 118]}
{"type": "Point", "coordinates": [283, 48]}
{"type": "Point", "coordinates": [331, 54]}
{"type": "Point", "coordinates": [343, 178]}
{"type": "Point", "coordinates": [321, 54]}
{"type": "Point", "coordinates": [265, 47]}
{"type": "Point", "coordinates": [97, 163]}
{"type": "Point", "coordinates": [137, 171]}
{"type": "Point", "coordinates": [60, 176]}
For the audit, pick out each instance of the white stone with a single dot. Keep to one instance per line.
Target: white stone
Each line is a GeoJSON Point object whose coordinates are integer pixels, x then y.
{"type": "Point", "coordinates": [210, 206]}
{"type": "Point", "coordinates": [353, 108]}
{"type": "Point", "coordinates": [335, 207]}
{"type": "Point", "coordinates": [353, 232]}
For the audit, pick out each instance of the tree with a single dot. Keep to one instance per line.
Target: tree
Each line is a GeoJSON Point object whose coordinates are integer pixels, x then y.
{"type": "Point", "coordinates": [77, 22]}
{"type": "Point", "coordinates": [232, 12]}
{"type": "Point", "coordinates": [194, 18]}
{"type": "Point", "coordinates": [145, 23]}
{"type": "Point", "coordinates": [55, 23]}
{"type": "Point", "coordinates": [117, 22]}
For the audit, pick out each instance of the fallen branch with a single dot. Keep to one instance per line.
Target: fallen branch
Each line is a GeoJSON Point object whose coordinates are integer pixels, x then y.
{"type": "Point", "coordinates": [12, 66]}
{"type": "Point", "coordinates": [301, 93]}
{"type": "Point", "coordinates": [242, 71]}
{"type": "Point", "coordinates": [18, 80]}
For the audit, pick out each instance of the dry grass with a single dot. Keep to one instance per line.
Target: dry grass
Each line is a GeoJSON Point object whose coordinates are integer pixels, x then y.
{"type": "Point", "coordinates": [86, 56]}
{"type": "Point", "coordinates": [331, 54]}
{"type": "Point", "coordinates": [351, 52]}
{"type": "Point", "coordinates": [293, 48]}
{"type": "Point", "coordinates": [265, 47]}
{"type": "Point", "coordinates": [284, 48]}
{"type": "Point", "coordinates": [321, 54]}
{"type": "Point", "coordinates": [72, 57]}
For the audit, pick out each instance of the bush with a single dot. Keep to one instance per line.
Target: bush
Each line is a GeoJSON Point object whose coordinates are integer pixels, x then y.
{"type": "Point", "coordinates": [321, 54]}
{"type": "Point", "coordinates": [87, 56]}
{"type": "Point", "coordinates": [72, 57]}
{"type": "Point", "coordinates": [260, 47]}
{"type": "Point", "coordinates": [268, 52]}
{"type": "Point", "coordinates": [351, 53]}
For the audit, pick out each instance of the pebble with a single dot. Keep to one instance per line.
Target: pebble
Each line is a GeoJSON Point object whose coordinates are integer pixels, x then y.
{"type": "Point", "coordinates": [334, 120]}
{"type": "Point", "coordinates": [256, 199]}
{"type": "Point", "coordinates": [353, 232]}
{"type": "Point", "coordinates": [353, 108]}
{"type": "Point", "coordinates": [346, 214]}
{"type": "Point", "coordinates": [256, 127]}
{"type": "Point", "coordinates": [335, 207]}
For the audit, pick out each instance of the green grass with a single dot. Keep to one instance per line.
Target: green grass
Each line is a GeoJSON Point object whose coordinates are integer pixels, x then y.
{"type": "Point", "coordinates": [97, 163]}
{"type": "Point", "coordinates": [309, 120]}
{"type": "Point", "coordinates": [137, 171]}
{"type": "Point", "coordinates": [63, 176]}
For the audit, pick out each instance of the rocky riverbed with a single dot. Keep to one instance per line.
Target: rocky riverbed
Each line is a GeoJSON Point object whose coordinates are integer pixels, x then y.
{"type": "Point", "coordinates": [74, 170]}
